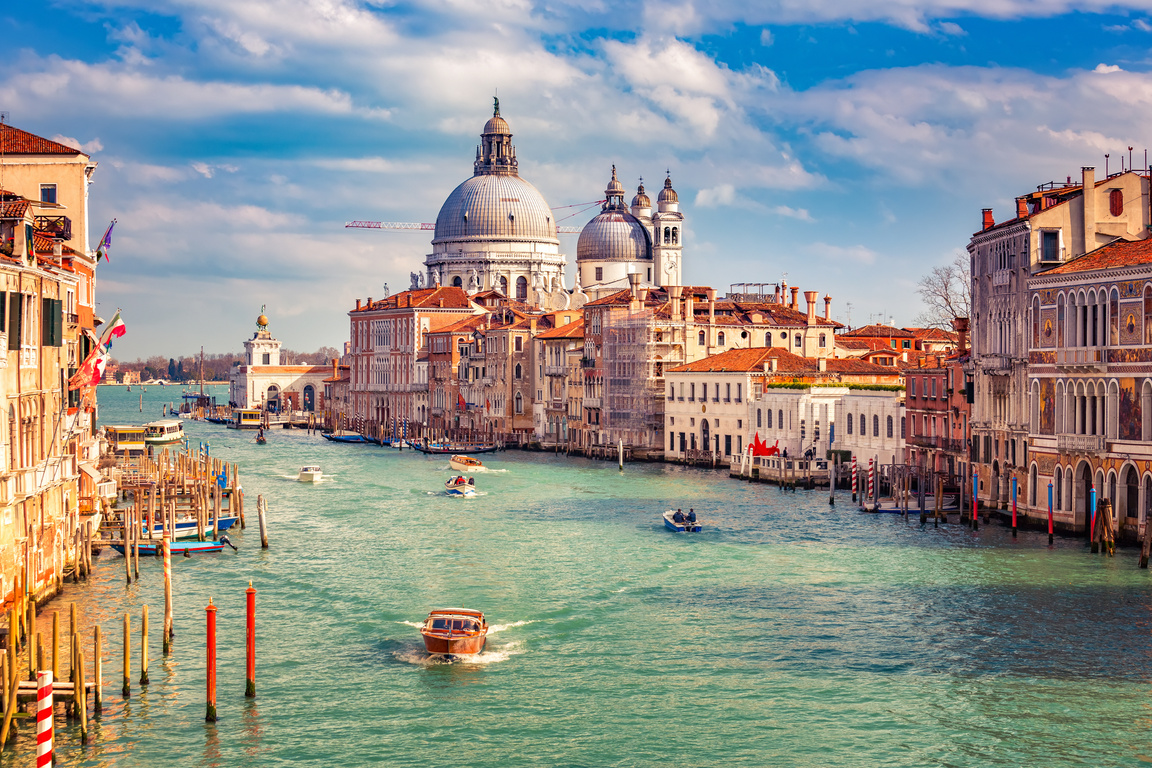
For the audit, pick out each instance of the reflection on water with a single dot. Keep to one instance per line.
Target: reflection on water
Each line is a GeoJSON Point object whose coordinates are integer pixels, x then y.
{"type": "Point", "coordinates": [787, 633]}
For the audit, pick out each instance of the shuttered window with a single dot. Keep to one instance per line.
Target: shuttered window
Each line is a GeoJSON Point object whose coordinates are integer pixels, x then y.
{"type": "Point", "coordinates": [52, 322]}
{"type": "Point", "coordinates": [15, 303]}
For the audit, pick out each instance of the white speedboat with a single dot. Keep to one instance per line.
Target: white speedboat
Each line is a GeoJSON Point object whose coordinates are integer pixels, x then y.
{"type": "Point", "coordinates": [164, 432]}
{"type": "Point", "coordinates": [310, 474]}
{"type": "Point", "coordinates": [458, 486]}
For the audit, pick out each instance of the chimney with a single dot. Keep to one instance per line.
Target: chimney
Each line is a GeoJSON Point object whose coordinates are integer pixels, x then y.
{"type": "Point", "coordinates": [1089, 198]}
{"type": "Point", "coordinates": [369, 304]}
{"type": "Point", "coordinates": [642, 293]}
{"type": "Point", "coordinates": [674, 292]}
{"type": "Point", "coordinates": [690, 309]}
{"type": "Point", "coordinates": [532, 326]}
{"type": "Point", "coordinates": [822, 364]}
{"type": "Point", "coordinates": [794, 304]}
{"type": "Point", "coordinates": [335, 367]}
{"type": "Point", "coordinates": [989, 222]}
{"type": "Point", "coordinates": [770, 365]}
{"type": "Point", "coordinates": [827, 307]}
{"type": "Point", "coordinates": [633, 282]}
{"type": "Point", "coordinates": [711, 293]}
{"type": "Point", "coordinates": [960, 325]}
{"type": "Point", "coordinates": [810, 305]}
{"type": "Point", "coordinates": [357, 303]}
{"type": "Point", "coordinates": [1021, 207]}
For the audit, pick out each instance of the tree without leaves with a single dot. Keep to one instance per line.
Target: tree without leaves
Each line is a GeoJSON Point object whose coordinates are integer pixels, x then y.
{"type": "Point", "coordinates": [947, 294]}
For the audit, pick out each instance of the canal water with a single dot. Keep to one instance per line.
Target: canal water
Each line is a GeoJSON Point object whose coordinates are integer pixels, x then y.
{"type": "Point", "coordinates": [787, 633]}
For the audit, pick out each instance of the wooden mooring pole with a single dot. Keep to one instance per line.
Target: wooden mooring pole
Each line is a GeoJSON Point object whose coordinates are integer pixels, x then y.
{"type": "Point", "coordinates": [210, 715]}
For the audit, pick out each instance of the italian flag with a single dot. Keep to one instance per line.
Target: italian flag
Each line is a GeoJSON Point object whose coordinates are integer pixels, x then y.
{"type": "Point", "coordinates": [114, 330]}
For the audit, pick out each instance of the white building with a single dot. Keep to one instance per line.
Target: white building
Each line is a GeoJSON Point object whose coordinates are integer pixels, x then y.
{"type": "Point", "coordinates": [262, 382]}
{"type": "Point", "coordinates": [870, 424]}
{"type": "Point", "coordinates": [797, 420]}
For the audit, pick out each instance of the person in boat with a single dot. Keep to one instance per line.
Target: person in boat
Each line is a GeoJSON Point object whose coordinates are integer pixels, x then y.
{"type": "Point", "coordinates": [691, 516]}
{"type": "Point", "coordinates": [678, 517]}
{"type": "Point", "coordinates": [471, 481]}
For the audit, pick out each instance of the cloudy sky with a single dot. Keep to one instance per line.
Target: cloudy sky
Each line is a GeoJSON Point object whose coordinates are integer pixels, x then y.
{"type": "Point", "coordinates": [849, 144]}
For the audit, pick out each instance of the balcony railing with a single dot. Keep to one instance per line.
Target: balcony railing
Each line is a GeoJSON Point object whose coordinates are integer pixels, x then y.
{"type": "Point", "coordinates": [591, 402]}
{"type": "Point", "coordinates": [996, 362]}
{"type": "Point", "coordinates": [56, 227]}
{"type": "Point", "coordinates": [1080, 356]}
{"type": "Point", "coordinates": [1080, 443]}
{"type": "Point", "coordinates": [555, 370]}
{"type": "Point", "coordinates": [949, 444]}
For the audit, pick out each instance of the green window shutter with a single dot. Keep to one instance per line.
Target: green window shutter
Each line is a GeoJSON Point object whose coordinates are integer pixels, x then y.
{"type": "Point", "coordinates": [15, 302]}
{"type": "Point", "coordinates": [45, 322]}
{"type": "Point", "coordinates": [3, 310]}
{"type": "Point", "coordinates": [57, 323]}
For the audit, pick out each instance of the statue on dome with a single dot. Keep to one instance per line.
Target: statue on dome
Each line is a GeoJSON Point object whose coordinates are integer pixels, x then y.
{"type": "Point", "coordinates": [417, 280]}
{"type": "Point", "coordinates": [473, 281]}
{"type": "Point", "coordinates": [496, 106]}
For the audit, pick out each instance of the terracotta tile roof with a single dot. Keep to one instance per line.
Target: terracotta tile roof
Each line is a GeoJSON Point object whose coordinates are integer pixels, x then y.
{"type": "Point", "coordinates": [747, 360]}
{"type": "Point", "coordinates": [884, 331]}
{"type": "Point", "coordinates": [13, 209]}
{"type": "Point", "coordinates": [14, 141]}
{"type": "Point", "coordinates": [621, 297]}
{"type": "Point", "coordinates": [933, 334]}
{"type": "Point", "coordinates": [851, 343]}
{"type": "Point", "coordinates": [452, 297]}
{"type": "Point", "coordinates": [858, 367]}
{"type": "Point", "coordinates": [574, 330]}
{"type": "Point", "coordinates": [467, 325]}
{"type": "Point", "coordinates": [1121, 253]}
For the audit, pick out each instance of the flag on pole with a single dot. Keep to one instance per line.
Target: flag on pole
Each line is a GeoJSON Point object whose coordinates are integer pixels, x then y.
{"type": "Point", "coordinates": [91, 371]}
{"type": "Point", "coordinates": [460, 403]}
{"type": "Point", "coordinates": [114, 330]}
{"type": "Point", "coordinates": [105, 243]}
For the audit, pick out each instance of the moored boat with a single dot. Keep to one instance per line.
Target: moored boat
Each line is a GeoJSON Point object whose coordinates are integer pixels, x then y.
{"type": "Point", "coordinates": [310, 474]}
{"type": "Point", "coordinates": [451, 448]}
{"type": "Point", "coordinates": [164, 432]}
{"type": "Point", "coordinates": [152, 549]}
{"type": "Point", "coordinates": [459, 486]}
{"type": "Point", "coordinates": [465, 463]}
{"type": "Point", "coordinates": [454, 632]}
{"type": "Point", "coordinates": [345, 437]}
{"type": "Point", "coordinates": [675, 520]}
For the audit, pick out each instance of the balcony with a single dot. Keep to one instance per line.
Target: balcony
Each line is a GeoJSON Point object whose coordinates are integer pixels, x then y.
{"type": "Point", "coordinates": [72, 317]}
{"type": "Point", "coordinates": [996, 363]}
{"type": "Point", "coordinates": [591, 402]}
{"type": "Point", "coordinates": [56, 227]}
{"type": "Point", "coordinates": [1080, 443]}
{"type": "Point", "coordinates": [1080, 357]}
{"type": "Point", "coordinates": [555, 370]}
{"type": "Point", "coordinates": [1001, 276]}
{"type": "Point", "coordinates": [949, 444]}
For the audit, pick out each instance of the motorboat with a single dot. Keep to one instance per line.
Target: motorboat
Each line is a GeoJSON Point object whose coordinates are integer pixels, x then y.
{"type": "Point", "coordinates": [345, 437]}
{"type": "Point", "coordinates": [465, 463]}
{"type": "Point", "coordinates": [459, 486]}
{"type": "Point", "coordinates": [454, 632]}
{"type": "Point", "coordinates": [310, 474]}
{"type": "Point", "coordinates": [164, 432]}
{"type": "Point", "coordinates": [186, 526]}
{"type": "Point", "coordinates": [154, 548]}
{"type": "Point", "coordinates": [675, 520]}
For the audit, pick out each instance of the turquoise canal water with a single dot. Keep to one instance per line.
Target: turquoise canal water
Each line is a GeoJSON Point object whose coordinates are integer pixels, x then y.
{"type": "Point", "coordinates": [788, 633]}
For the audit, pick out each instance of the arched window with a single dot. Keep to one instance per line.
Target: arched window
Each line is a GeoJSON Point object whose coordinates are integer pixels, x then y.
{"type": "Point", "coordinates": [875, 426]}
{"type": "Point", "coordinates": [675, 235]}
{"type": "Point", "coordinates": [519, 344]}
{"type": "Point", "coordinates": [720, 339]}
{"type": "Point", "coordinates": [522, 288]}
{"type": "Point", "coordinates": [902, 422]}
{"type": "Point", "coordinates": [769, 417]}
{"type": "Point", "coordinates": [758, 419]}
{"type": "Point", "coordinates": [823, 340]}
{"type": "Point", "coordinates": [1148, 314]}
{"type": "Point", "coordinates": [1036, 322]}
{"type": "Point", "coordinates": [768, 339]}
{"type": "Point", "coordinates": [889, 426]}
{"type": "Point", "coordinates": [1116, 202]}
{"type": "Point", "coordinates": [518, 371]}
{"type": "Point", "coordinates": [1060, 321]}
{"type": "Point", "coordinates": [502, 285]}
{"type": "Point", "coordinates": [457, 282]}
{"type": "Point", "coordinates": [1058, 489]}
{"type": "Point", "coordinates": [780, 419]}
{"type": "Point", "coordinates": [799, 340]}
{"type": "Point", "coordinates": [700, 338]}
{"type": "Point", "coordinates": [667, 235]}
{"type": "Point", "coordinates": [519, 403]}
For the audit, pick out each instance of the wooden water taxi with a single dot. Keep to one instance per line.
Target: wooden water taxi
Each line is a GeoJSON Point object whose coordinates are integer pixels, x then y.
{"type": "Point", "coordinates": [454, 632]}
{"type": "Point", "coordinates": [310, 474]}
{"type": "Point", "coordinates": [465, 463]}
{"type": "Point", "coordinates": [675, 520]}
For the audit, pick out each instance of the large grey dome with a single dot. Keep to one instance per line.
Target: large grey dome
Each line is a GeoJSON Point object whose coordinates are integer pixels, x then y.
{"type": "Point", "coordinates": [495, 205]}
{"type": "Point", "coordinates": [614, 235]}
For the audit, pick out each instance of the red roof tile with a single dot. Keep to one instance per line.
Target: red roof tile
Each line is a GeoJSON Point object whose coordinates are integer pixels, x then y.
{"type": "Point", "coordinates": [452, 297]}
{"type": "Point", "coordinates": [746, 360]}
{"type": "Point", "coordinates": [1121, 253]}
{"type": "Point", "coordinates": [574, 330]}
{"type": "Point", "coordinates": [14, 141]}
{"type": "Point", "coordinates": [883, 331]}
{"type": "Point", "coordinates": [14, 209]}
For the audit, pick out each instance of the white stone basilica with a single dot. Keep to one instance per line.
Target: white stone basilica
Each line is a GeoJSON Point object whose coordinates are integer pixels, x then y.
{"type": "Point", "coordinates": [496, 231]}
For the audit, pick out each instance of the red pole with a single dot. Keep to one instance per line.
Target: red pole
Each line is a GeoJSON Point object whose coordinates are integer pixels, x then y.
{"type": "Point", "coordinates": [250, 686]}
{"type": "Point", "coordinates": [211, 611]}
{"type": "Point", "coordinates": [44, 730]}
{"type": "Point", "coordinates": [1049, 512]}
{"type": "Point", "coordinates": [1013, 507]}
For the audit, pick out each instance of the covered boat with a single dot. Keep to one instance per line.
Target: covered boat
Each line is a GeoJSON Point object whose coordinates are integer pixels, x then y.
{"type": "Point", "coordinates": [675, 520]}
{"type": "Point", "coordinates": [153, 548]}
{"type": "Point", "coordinates": [454, 632]}
{"type": "Point", "coordinates": [164, 432]}
{"type": "Point", "coordinates": [458, 486]}
{"type": "Point", "coordinates": [465, 463]}
{"type": "Point", "coordinates": [310, 474]}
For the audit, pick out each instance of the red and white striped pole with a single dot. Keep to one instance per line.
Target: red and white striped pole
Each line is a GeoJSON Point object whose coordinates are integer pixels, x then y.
{"type": "Point", "coordinates": [44, 719]}
{"type": "Point", "coordinates": [855, 478]}
{"type": "Point", "coordinates": [250, 637]}
{"type": "Point", "coordinates": [871, 478]}
{"type": "Point", "coordinates": [210, 716]}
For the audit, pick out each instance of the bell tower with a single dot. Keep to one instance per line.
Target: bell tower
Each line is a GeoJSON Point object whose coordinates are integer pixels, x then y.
{"type": "Point", "coordinates": [262, 349]}
{"type": "Point", "coordinates": [667, 236]}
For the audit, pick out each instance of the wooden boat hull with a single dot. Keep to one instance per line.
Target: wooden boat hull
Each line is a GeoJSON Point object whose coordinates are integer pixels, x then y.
{"type": "Point", "coordinates": [187, 528]}
{"type": "Point", "coordinates": [465, 491]}
{"type": "Point", "coordinates": [178, 548]}
{"type": "Point", "coordinates": [684, 527]}
{"type": "Point", "coordinates": [345, 438]}
{"type": "Point", "coordinates": [464, 466]}
{"type": "Point", "coordinates": [454, 646]}
{"type": "Point", "coordinates": [441, 448]}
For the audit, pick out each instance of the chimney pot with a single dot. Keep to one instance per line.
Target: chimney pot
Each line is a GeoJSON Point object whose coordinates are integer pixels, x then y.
{"type": "Point", "coordinates": [988, 222]}
{"type": "Point", "coordinates": [827, 307]}
{"type": "Point", "coordinates": [810, 304]}
{"type": "Point", "coordinates": [1021, 207]}
{"type": "Point", "coordinates": [822, 364]}
{"type": "Point", "coordinates": [357, 303]}
{"type": "Point", "coordinates": [794, 304]}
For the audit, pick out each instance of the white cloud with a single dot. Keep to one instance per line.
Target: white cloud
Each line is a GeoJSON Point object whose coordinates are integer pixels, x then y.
{"type": "Point", "coordinates": [792, 213]}
{"type": "Point", "coordinates": [1106, 69]}
{"type": "Point", "coordinates": [208, 170]}
{"type": "Point", "coordinates": [716, 196]}
{"type": "Point", "coordinates": [766, 37]}
{"type": "Point", "coordinates": [841, 253]}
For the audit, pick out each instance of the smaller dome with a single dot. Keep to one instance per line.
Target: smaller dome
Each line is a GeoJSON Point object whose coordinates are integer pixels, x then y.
{"type": "Point", "coordinates": [497, 125]}
{"type": "Point", "coordinates": [641, 200]}
{"type": "Point", "coordinates": [614, 188]}
{"type": "Point", "coordinates": [614, 235]}
{"type": "Point", "coordinates": [668, 195]}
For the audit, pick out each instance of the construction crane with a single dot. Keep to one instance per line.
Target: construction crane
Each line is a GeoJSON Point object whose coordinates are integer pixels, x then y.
{"type": "Point", "coordinates": [426, 226]}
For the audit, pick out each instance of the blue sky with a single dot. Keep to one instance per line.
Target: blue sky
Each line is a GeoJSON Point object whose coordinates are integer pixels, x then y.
{"type": "Point", "coordinates": [849, 144]}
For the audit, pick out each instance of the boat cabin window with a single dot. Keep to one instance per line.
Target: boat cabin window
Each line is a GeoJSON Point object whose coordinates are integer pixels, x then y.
{"type": "Point", "coordinates": [439, 624]}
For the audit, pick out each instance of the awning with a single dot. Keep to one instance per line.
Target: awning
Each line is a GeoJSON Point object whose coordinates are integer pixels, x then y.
{"type": "Point", "coordinates": [92, 472]}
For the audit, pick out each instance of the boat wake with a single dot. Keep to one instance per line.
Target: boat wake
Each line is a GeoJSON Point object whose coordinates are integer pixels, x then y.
{"type": "Point", "coordinates": [296, 478]}
{"type": "Point", "coordinates": [494, 628]}
{"type": "Point", "coordinates": [417, 656]}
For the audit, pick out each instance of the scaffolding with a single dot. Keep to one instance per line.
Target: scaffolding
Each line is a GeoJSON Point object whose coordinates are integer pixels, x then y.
{"type": "Point", "coordinates": [633, 409]}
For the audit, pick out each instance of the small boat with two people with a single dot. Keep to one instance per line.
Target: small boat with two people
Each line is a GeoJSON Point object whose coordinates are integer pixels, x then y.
{"type": "Point", "coordinates": [310, 474]}
{"type": "Point", "coordinates": [459, 486]}
{"type": "Point", "coordinates": [676, 520]}
{"type": "Point", "coordinates": [465, 463]}
{"type": "Point", "coordinates": [454, 632]}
